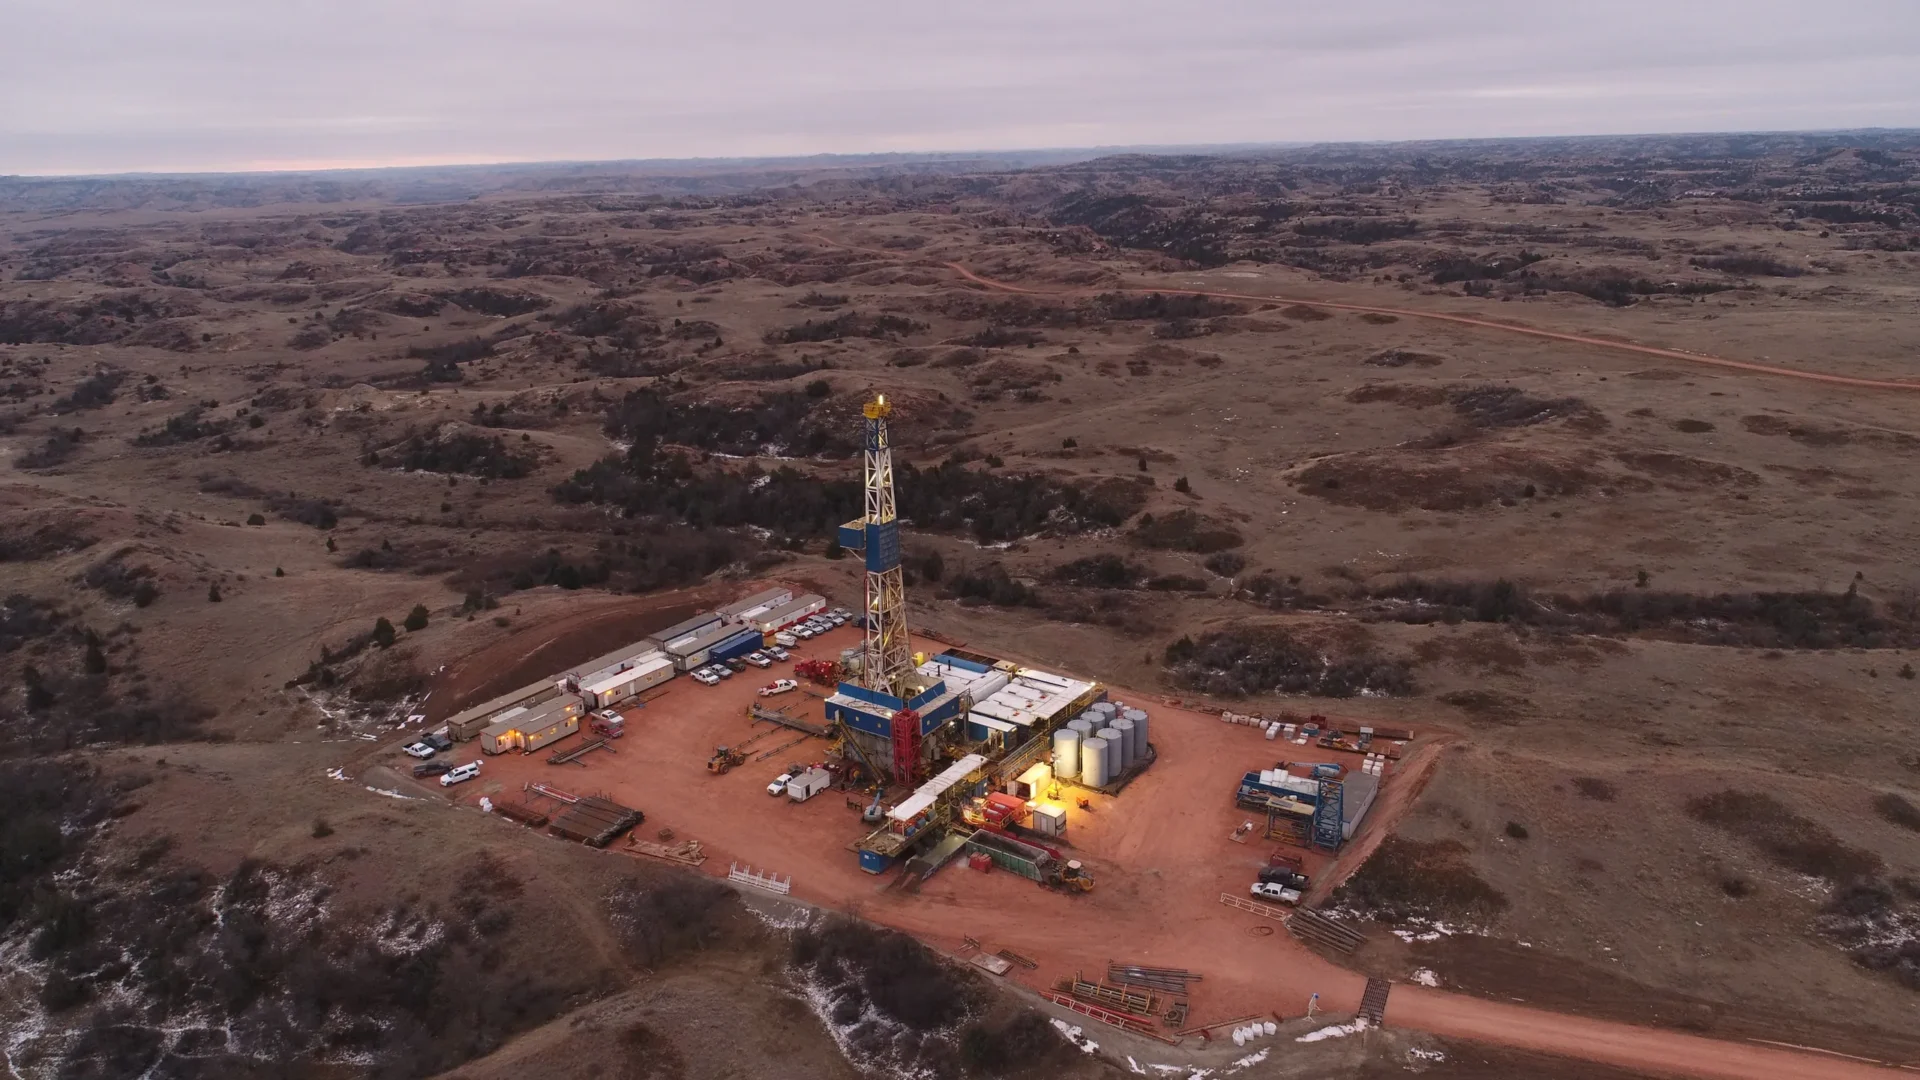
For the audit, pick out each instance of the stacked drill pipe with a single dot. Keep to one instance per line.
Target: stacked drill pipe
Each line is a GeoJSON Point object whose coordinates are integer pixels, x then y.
{"type": "Point", "coordinates": [1118, 998]}
{"type": "Point", "coordinates": [1165, 980]}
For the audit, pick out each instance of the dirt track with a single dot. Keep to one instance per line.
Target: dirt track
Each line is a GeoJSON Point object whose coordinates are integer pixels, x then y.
{"type": "Point", "coordinates": [1434, 316]}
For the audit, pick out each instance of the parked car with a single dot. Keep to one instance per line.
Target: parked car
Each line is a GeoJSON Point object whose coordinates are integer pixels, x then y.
{"type": "Point", "coordinates": [787, 638]}
{"type": "Point", "coordinates": [838, 620]}
{"type": "Point", "coordinates": [803, 632]}
{"type": "Point", "coordinates": [736, 664]}
{"type": "Point", "coordinates": [777, 652]}
{"type": "Point", "coordinates": [420, 750]}
{"type": "Point", "coordinates": [706, 678]}
{"type": "Point", "coordinates": [1267, 891]}
{"type": "Point", "coordinates": [431, 768]}
{"type": "Point", "coordinates": [460, 774]}
{"type": "Point", "coordinates": [778, 686]}
{"type": "Point", "coordinates": [1284, 877]}
{"type": "Point", "coordinates": [759, 659]}
{"type": "Point", "coordinates": [779, 785]}
{"type": "Point", "coordinates": [722, 670]}
{"type": "Point", "coordinates": [437, 741]}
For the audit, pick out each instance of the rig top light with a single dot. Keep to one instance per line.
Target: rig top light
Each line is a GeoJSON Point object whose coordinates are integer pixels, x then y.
{"type": "Point", "coordinates": [878, 408]}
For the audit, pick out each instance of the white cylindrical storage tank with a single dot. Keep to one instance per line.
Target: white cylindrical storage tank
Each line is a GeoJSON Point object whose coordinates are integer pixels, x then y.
{"type": "Point", "coordinates": [1138, 718]}
{"type": "Point", "coordinates": [1126, 741]}
{"type": "Point", "coordinates": [1116, 752]}
{"type": "Point", "coordinates": [1082, 725]}
{"type": "Point", "coordinates": [1104, 708]}
{"type": "Point", "coordinates": [1066, 753]}
{"type": "Point", "coordinates": [1093, 762]}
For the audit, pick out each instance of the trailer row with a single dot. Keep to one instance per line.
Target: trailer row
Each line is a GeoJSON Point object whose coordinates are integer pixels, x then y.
{"type": "Point", "coordinates": [546, 711]}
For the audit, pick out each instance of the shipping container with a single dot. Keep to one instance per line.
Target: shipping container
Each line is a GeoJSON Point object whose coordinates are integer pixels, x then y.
{"type": "Point", "coordinates": [681, 629]}
{"type": "Point", "coordinates": [693, 651]}
{"type": "Point", "coordinates": [738, 645]}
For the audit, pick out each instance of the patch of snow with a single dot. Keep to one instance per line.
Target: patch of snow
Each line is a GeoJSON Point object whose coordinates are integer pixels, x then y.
{"type": "Point", "coordinates": [1073, 1034]}
{"type": "Point", "coordinates": [1250, 1060]}
{"type": "Point", "coordinates": [1334, 1031]}
{"type": "Point", "coordinates": [1425, 977]}
{"type": "Point", "coordinates": [1426, 1055]}
{"type": "Point", "coordinates": [389, 794]}
{"type": "Point", "coordinates": [1135, 1066]}
{"type": "Point", "coordinates": [337, 773]}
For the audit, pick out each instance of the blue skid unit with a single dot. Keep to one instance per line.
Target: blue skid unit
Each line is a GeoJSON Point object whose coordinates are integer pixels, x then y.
{"type": "Point", "coordinates": [874, 863]}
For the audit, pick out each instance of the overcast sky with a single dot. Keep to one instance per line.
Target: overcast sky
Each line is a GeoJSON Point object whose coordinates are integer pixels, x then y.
{"type": "Point", "coordinates": [187, 85]}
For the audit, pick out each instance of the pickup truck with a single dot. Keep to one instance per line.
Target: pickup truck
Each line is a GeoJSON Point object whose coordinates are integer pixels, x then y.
{"type": "Point", "coordinates": [778, 686]}
{"type": "Point", "coordinates": [1263, 890]}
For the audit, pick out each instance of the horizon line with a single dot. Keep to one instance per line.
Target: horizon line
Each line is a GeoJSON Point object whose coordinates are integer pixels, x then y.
{"type": "Point", "coordinates": [318, 169]}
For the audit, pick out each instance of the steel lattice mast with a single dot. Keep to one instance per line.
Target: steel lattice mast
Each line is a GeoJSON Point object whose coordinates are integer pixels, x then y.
{"type": "Point", "coordinates": [887, 663]}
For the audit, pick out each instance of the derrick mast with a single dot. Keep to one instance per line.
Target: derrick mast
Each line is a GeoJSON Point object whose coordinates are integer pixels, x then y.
{"type": "Point", "coordinates": [887, 660]}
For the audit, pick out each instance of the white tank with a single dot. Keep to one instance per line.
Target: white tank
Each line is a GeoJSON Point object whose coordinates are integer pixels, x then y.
{"type": "Point", "coordinates": [1066, 753]}
{"type": "Point", "coordinates": [1093, 762]}
{"type": "Point", "coordinates": [1126, 741]}
{"type": "Point", "coordinates": [1082, 725]}
{"type": "Point", "coordinates": [1104, 708]}
{"type": "Point", "coordinates": [1138, 718]}
{"type": "Point", "coordinates": [1116, 752]}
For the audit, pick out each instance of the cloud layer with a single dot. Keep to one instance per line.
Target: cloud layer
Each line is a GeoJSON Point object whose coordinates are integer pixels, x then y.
{"type": "Point", "coordinates": [113, 85]}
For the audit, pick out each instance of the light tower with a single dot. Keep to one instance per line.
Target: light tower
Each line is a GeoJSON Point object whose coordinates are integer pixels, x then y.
{"type": "Point", "coordinates": [887, 659]}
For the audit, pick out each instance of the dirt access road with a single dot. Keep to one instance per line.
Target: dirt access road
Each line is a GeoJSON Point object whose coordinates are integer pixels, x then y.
{"type": "Point", "coordinates": [1852, 381]}
{"type": "Point", "coordinates": [1160, 850]}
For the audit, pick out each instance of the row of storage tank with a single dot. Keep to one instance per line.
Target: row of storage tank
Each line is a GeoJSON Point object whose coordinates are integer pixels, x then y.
{"type": "Point", "coordinates": [1101, 744]}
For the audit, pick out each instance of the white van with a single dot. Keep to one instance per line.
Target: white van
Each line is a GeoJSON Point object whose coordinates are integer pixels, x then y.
{"type": "Point", "coordinates": [460, 773]}
{"type": "Point", "coordinates": [786, 639]}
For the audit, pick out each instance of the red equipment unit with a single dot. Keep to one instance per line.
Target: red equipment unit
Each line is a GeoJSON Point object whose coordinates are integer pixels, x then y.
{"type": "Point", "coordinates": [906, 745]}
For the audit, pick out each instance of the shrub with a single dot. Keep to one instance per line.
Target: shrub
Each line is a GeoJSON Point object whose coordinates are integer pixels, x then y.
{"type": "Point", "coordinates": [256, 519]}
{"type": "Point", "coordinates": [1184, 530]}
{"type": "Point", "coordinates": [1426, 879]}
{"type": "Point", "coordinates": [1896, 809]}
{"type": "Point", "coordinates": [1105, 571]}
{"type": "Point", "coordinates": [1783, 836]}
{"type": "Point", "coordinates": [186, 427]}
{"type": "Point", "coordinates": [888, 971]}
{"type": "Point", "coordinates": [93, 392]}
{"type": "Point", "coordinates": [819, 388]}
{"type": "Point", "coordinates": [1516, 830]}
{"type": "Point", "coordinates": [60, 445]}
{"type": "Point", "coordinates": [213, 593]}
{"type": "Point", "coordinates": [1592, 787]}
{"type": "Point", "coordinates": [1226, 563]}
{"type": "Point", "coordinates": [417, 618]}
{"type": "Point", "coordinates": [321, 830]}
{"type": "Point", "coordinates": [1270, 659]}
{"type": "Point", "coordinates": [383, 634]}
{"type": "Point", "coordinates": [678, 914]}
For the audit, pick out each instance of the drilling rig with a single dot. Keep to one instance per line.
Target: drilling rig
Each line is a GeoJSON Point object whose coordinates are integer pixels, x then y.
{"type": "Point", "coordinates": [891, 710]}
